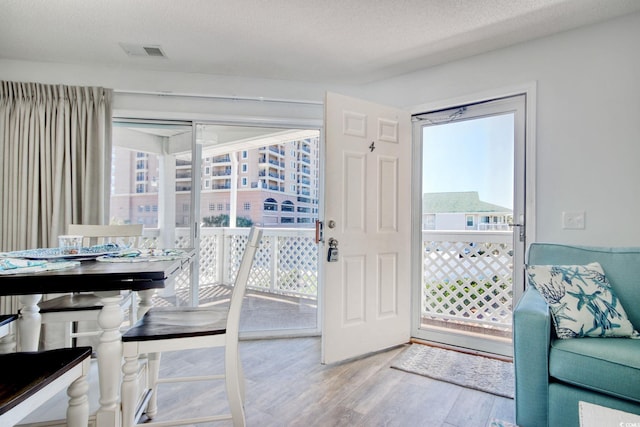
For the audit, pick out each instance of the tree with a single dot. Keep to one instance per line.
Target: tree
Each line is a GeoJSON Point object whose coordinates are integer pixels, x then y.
{"type": "Point", "coordinates": [222, 220]}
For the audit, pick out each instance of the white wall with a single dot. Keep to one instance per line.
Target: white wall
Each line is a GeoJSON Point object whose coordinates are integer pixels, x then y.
{"type": "Point", "coordinates": [588, 122]}
{"type": "Point", "coordinates": [588, 113]}
{"type": "Point", "coordinates": [307, 106]}
{"type": "Point", "coordinates": [451, 221]}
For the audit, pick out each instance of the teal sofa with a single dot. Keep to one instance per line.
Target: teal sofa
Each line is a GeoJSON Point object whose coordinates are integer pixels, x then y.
{"type": "Point", "coordinates": [553, 375]}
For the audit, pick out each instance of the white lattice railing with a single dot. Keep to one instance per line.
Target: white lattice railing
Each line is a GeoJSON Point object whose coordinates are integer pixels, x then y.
{"type": "Point", "coordinates": [467, 276]}
{"type": "Point", "coordinates": [286, 261]}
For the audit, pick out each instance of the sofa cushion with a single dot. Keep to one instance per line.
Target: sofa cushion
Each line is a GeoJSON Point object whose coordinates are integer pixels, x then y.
{"type": "Point", "coordinates": [582, 302]}
{"type": "Point", "coordinates": [622, 266]}
{"type": "Point", "coordinates": [610, 366]}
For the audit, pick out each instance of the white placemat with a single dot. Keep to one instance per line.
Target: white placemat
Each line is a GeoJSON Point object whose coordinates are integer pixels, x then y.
{"type": "Point", "coordinates": [21, 266]}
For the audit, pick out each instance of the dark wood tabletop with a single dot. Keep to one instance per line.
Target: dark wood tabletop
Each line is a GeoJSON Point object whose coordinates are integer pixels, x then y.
{"type": "Point", "coordinates": [95, 276]}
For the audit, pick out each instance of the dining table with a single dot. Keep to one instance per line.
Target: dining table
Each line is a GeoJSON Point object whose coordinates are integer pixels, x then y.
{"type": "Point", "coordinates": [107, 280]}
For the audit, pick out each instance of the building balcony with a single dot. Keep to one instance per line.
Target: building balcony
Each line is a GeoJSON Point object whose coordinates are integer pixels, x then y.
{"type": "Point", "coordinates": [223, 186]}
{"type": "Point", "coordinates": [494, 227]}
{"type": "Point", "coordinates": [276, 150]}
{"type": "Point", "coordinates": [271, 162]}
{"type": "Point", "coordinates": [271, 174]}
{"type": "Point", "coordinates": [273, 149]}
{"type": "Point", "coordinates": [221, 159]}
{"type": "Point", "coordinates": [221, 172]}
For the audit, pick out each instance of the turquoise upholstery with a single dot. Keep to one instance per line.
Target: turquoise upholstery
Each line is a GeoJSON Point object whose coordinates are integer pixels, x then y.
{"type": "Point", "coordinates": [553, 375]}
{"type": "Point", "coordinates": [610, 366]}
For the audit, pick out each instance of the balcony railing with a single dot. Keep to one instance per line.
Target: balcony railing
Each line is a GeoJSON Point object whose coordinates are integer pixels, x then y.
{"type": "Point", "coordinates": [221, 172]}
{"type": "Point", "coordinates": [286, 262]}
{"type": "Point", "coordinates": [466, 276]}
{"type": "Point", "coordinates": [221, 159]}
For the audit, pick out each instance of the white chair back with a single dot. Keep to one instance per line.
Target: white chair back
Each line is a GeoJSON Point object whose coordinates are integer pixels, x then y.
{"type": "Point", "coordinates": [127, 234]}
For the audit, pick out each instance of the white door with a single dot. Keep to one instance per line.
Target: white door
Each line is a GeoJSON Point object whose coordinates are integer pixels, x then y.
{"type": "Point", "coordinates": [368, 214]}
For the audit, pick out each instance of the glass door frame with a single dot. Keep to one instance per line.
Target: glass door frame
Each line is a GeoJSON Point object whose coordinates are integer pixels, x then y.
{"type": "Point", "coordinates": [528, 210]}
{"type": "Point", "coordinates": [164, 216]}
{"type": "Point", "coordinates": [197, 216]}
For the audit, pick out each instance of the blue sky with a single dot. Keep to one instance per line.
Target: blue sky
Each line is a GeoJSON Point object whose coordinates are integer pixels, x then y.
{"type": "Point", "coordinates": [470, 155]}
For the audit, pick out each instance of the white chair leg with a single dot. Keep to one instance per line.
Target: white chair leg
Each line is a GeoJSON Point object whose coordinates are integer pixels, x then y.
{"type": "Point", "coordinates": [68, 330]}
{"type": "Point", "coordinates": [8, 344]}
{"type": "Point", "coordinates": [56, 335]}
{"type": "Point", "coordinates": [153, 374]}
{"type": "Point", "coordinates": [235, 393]}
{"type": "Point", "coordinates": [133, 309]}
{"type": "Point", "coordinates": [129, 388]}
{"type": "Point", "coordinates": [78, 409]}
{"type": "Point", "coordinates": [241, 383]}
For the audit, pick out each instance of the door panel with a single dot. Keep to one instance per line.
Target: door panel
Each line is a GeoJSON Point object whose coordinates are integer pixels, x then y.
{"type": "Point", "coordinates": [388, 201]}
{"type": "Point", "coordinates": [367, 194]}
{"type": "Point", "coordinates": [355, 172]}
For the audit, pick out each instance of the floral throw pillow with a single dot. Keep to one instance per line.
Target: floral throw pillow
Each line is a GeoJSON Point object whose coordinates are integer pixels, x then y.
{"type": "Point", "coordinates": [581, 301]}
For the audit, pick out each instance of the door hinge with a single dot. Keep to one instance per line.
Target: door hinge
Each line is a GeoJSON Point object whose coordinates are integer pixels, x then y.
{"type": "Point", "coordinates": [521, 231]}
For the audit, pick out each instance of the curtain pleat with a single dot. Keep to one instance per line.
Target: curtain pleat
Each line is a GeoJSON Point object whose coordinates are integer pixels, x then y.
{"type": "Point", "coordinates": [55, 158]}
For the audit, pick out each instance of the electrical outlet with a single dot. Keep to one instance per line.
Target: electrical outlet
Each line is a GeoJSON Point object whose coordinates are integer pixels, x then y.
{"type": "Point", "coordinates": [573, 220]}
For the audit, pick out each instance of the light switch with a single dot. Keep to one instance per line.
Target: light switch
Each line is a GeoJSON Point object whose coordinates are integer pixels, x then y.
{"type": "Point", "coordinates": [573, 220]}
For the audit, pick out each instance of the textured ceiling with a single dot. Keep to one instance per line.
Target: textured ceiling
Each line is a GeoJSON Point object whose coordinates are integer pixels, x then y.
{"type": "Point", "coordinates": [329, 41]}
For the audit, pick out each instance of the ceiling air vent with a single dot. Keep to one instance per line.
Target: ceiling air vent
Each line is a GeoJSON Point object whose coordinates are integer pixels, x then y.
{"type": "Point", "coordinates": [153, 51]}
{"type": "Point", "coordinates": [138, 50]}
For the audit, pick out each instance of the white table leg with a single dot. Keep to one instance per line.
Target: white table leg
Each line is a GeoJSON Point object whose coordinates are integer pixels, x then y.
{"type": "Point", "coordinates": [29, 323]}
{"type": "Point", "coordinates": [146, 301]}
{"type": "Point", "coordinates": [109, 356]}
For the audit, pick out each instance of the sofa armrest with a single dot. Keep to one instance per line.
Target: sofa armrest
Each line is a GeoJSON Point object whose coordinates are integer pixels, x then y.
{"type": "Point", "coordinates": [531, 340]}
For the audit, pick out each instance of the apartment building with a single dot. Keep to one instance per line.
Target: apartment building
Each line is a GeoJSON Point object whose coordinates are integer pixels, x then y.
{"type": "Point", "coordinates": [275, 186]}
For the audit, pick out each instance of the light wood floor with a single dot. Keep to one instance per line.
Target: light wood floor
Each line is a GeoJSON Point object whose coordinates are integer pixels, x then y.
{"type": "Point", "coordinates": [261, 311]}
{"type": "Point", "coordinates": [287, 386]}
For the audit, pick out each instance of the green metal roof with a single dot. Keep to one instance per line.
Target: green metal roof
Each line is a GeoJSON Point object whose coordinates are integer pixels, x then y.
{"type": "Point", "coordinates": [458, 202]}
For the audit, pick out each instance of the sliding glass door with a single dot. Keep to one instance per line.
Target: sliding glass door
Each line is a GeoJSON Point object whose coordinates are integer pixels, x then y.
{"type": "Point", "coordinates": [267, 176]}
{"type": "Point", "coordinates": [152, 184]}
{"type": "Point", "coordinates": [202, 186]}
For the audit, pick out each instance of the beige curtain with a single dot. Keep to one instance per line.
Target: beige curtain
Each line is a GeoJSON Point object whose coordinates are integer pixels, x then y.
{"type": "Point", "coordinates": [55, 161]}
